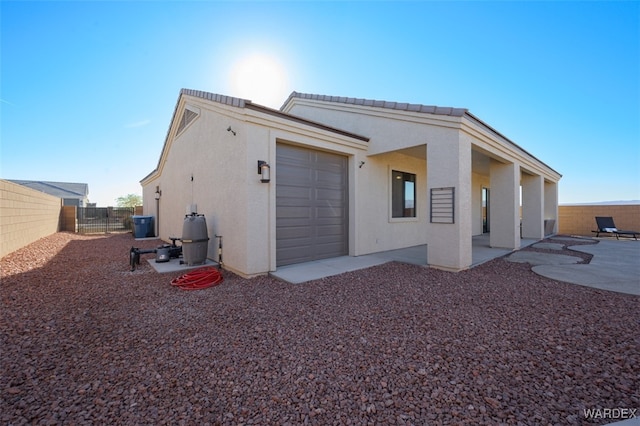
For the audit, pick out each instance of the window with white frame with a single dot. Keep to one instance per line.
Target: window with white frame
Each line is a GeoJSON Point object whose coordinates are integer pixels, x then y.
{"type": "Point", "coordinates": [403, 194]}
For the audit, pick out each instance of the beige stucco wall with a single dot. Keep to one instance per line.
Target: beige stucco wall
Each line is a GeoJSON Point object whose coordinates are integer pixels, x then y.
{"type": "Point", "coordinates": [580, 219]}
{"type": "Point", "coordinates": [226, 185]}
{"type": "Point", "coordinates": [397, 142]}
{"type": "Point", "coordinates": [379, 231]}
{"type": "Point", "coordinates": [26, 215]}
{"type": "Point", "coordinates": [205, 167]}
{"type": "Point", "coordinates": [457, 152]}
{"type": "Point", "coordinates": [216, 170]}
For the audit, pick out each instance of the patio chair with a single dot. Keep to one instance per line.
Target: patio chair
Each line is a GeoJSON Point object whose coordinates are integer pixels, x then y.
{"type": "Point", "coordinates": [607, 226]}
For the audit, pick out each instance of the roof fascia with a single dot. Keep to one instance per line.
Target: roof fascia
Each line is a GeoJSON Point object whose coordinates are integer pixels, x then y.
{"type": "Point", "coordinates": [151, 176]}
{"type": "Point", "coordinates": [304, 121]}
{"type": "Point", "coordinates": [509, 143]}
{"type": "Point", "coordinates": [435, 119]}
{"type": "Point", "coordinates": [372, 103]}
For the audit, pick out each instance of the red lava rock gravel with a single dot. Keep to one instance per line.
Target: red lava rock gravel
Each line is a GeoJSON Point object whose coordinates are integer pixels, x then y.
{"type": "Point", "coordinates": [84, 340]}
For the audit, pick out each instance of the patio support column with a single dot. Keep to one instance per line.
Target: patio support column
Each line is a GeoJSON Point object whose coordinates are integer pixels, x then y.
{"type": "Point", "coordinates": [532, 206]}
{"type": "Point", "coordinates": [551, 203]}
{"type": "Point", "coordinates": [449, 166]}
{"type": "Point", "coordinates": [505, 205]}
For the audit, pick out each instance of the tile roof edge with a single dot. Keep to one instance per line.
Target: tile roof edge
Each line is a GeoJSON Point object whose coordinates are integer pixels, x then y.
{"type": "Point", "coordinates": [399, 106]}
{"type": "Point", "coordinates": [215, 97]}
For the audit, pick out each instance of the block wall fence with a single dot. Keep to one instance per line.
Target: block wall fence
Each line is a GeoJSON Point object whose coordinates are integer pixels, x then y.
{"type": "Point", "coordinates": [580, 219]}
{"type": "Point", "coordinates": [26, 215]}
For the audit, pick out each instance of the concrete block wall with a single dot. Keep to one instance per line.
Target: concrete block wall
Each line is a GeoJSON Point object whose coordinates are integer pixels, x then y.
{"type": "Point", "coordinates": [580, 219]}
{"type": "Point", "coordinates": [26, 215]}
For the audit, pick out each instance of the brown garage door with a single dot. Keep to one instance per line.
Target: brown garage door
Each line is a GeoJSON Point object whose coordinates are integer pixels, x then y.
{"type": "Point", "coordinates": [311, 205]}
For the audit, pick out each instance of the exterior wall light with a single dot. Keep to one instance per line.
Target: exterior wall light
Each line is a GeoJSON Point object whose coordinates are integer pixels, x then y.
{"type": "Point", "coordinates": [158, 193]}
{"type": "Point", "coordinates": [264, 170]}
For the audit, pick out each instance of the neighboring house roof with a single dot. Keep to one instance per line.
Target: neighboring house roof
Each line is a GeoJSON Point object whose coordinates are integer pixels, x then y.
{"type": "Point", "coordinates": [57, 189]}
{"type": "Point", "coordinates": [401, 106]}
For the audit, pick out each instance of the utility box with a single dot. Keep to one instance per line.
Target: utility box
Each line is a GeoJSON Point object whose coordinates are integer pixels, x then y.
{"type": "Point", "coordinates": [143, 226]}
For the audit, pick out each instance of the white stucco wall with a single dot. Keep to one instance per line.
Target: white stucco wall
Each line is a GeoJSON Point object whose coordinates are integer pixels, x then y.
{"type": "Point", "coordinates": [461, 151]}
{"type": "Point", "coordinates": [379, 230]}
{"type": "Point", "coordinates": [205, 165]}
{"type": "Point", "coordinates": [210, 167]}
{"type": "Point", "coordinates": [226, 185]}
{"type": "Point", "coordinates": [394, 134]}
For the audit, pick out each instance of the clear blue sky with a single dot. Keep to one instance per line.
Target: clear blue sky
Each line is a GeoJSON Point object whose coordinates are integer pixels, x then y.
{"type": "Point", "coordinates": [88, 88]}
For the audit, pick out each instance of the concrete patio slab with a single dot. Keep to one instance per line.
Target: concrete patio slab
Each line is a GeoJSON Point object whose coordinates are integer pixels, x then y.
{"type": "Point", "coordinates": [417, 255]}
{"type": "Point", "coordinates": [548, 246]}
{"type": "Point", "coordinates": [483, 252]}
{"type": "Point", "coordinates": [537, 258]}
{"type": "Point", "coordinates": [576, 239]}
{"type": "Point", "coordinates": [615, 266]}
{"type": "Point", "coordinates": [308, 271]}
{"type": "Point", "coordinates": [174, 265]}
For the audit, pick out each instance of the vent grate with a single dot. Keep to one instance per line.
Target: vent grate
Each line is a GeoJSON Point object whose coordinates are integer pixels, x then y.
{"type": "Point", "coordinates": [442, 205]}
{"type": "Point", "coordinates": [187, 117]}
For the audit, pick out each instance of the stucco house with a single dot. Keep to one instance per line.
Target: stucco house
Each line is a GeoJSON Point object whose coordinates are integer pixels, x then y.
{"type": "Point", "coordinates": [331, 176]}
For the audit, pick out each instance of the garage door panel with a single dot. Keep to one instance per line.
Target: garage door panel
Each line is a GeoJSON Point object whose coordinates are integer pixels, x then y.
{"type": "Point", "coordinates": [295, 233]}
{"type": "Point", "coordinates": [324, 251]}
{"type": "Point", "coordinates": [295, 255]}
{"type": "Point", "coordinates": [303, 244]}
{"type": "Point", "coordinates": [293, 202]}
{"type": "Point", "coordinates": [302, 192]}
{"type": "Point", "coordinates": [311, 205]}
{"type": "Point", "coordinates": [329, 194]}
{"type": "Point", "coordinates": [293, 212]}
{"type": "Point", "coordinates": [328, 180]}
{"type": "Point", "coordinates": [297, 177]}
{"type": "Point", "coordinates": [329, 213]}
{"type": "Point", "coordinates": [330, 231]}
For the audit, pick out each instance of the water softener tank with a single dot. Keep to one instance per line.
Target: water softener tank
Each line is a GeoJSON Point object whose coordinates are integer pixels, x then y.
{"type": "Point", "coordinates": [194, 239]}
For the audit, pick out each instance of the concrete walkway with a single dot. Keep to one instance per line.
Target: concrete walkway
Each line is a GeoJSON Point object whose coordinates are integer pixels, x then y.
{"type": "Point", "coordinates": [308, 271]}
{"type": "Point", "coordinates": [615, 266]}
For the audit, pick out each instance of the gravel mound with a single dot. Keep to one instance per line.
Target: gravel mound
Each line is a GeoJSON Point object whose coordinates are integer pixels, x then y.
{"type": "Point", "coordinates": [86, 341]}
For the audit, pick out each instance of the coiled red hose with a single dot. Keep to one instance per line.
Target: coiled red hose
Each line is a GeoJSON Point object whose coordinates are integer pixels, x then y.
{"type": "Point", "coordinates": [198, 279]}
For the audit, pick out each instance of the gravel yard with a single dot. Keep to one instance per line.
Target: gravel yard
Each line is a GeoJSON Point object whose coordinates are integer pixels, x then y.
{"type": "Point", "coordinates": [84, 340]}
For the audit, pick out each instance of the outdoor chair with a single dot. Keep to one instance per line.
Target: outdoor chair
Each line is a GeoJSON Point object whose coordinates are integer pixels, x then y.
{"type": "Point", "coordinates": [607, 226]}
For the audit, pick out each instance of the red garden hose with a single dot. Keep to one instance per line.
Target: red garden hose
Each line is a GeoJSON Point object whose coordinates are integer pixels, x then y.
{"type": "Point", "coordinates": [198, 279]}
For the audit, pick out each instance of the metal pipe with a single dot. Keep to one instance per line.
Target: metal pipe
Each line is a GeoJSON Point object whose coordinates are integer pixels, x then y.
{"type": "Point", "coordinates": [219, 250]}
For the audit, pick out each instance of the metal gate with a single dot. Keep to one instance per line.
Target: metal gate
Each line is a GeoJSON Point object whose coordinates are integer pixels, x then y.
{"type": "Point", "coordinates": [94, 220]}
